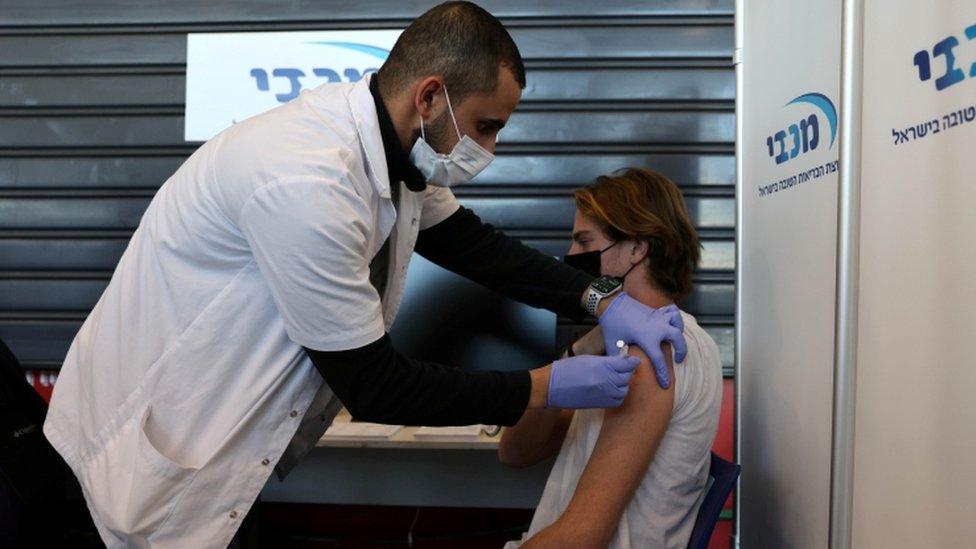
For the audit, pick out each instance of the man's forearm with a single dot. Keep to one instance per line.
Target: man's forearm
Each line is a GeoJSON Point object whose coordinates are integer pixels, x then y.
{"type": "Point", "coordinates": [465, 245]}
{"type": "Point", "coordinates": [378, 384]}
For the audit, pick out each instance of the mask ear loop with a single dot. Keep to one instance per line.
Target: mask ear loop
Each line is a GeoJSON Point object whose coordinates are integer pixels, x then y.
{"type": "Point", "coordinates": [624, 277]}
{"type": "Point", "coordinates": [634, 250]}
{"type": "Point", "coordinates": [423, 134]}
{"type": "Point", "coordinates": [451, 109]}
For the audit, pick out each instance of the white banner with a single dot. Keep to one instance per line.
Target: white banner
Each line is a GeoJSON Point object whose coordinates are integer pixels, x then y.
{"type": "Point", "coordinates": [915, 439]}
{"type": "Point", "coordinates": [787, 191]}
{"type": "Point", "coordinates": [233, 76]}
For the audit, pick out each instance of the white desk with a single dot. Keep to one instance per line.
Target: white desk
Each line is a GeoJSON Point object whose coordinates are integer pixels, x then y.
{"type": "Point", "coordinates": [405, 439]}
{"type": "Point", "coordinates": [404, 470]}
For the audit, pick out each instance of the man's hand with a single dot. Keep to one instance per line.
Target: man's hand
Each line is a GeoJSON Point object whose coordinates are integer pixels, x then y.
{"type": "Point", "coordinates": [589, 381]}
{"type": "Point", "coordinates": [634, 323]}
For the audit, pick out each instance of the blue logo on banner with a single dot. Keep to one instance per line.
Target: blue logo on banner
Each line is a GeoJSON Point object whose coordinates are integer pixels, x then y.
{"type": "Point", "coordinates": [804, 136]}
{"type": "Point", "coordinates": [963, 114]}
{"type": "Point", "coordinates": [953, 74]}
{"type": "Point", "coordinates": [294, 75]}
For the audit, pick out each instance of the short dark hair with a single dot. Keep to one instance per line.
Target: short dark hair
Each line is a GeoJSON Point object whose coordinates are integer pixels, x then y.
{"type": "Point", "coordinates": [642, 204]}
{"type": "Point", "coordinates": [458, 41]}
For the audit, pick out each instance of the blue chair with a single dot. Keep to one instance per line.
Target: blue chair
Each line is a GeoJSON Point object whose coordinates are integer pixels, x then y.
{"type": "Point", "coordinates": [724, 475]}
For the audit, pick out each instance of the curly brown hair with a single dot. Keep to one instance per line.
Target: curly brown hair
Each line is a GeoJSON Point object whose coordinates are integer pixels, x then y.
{"type": "Point", "coordinates": [644, 205]}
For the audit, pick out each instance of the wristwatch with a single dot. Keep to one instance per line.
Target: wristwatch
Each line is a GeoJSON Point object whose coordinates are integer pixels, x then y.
{"type": "Point", "coordinates": [600, 289]}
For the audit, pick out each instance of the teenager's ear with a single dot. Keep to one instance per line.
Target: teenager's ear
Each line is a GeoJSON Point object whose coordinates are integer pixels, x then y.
{"type": "Point", "coordinates": [639, 250]}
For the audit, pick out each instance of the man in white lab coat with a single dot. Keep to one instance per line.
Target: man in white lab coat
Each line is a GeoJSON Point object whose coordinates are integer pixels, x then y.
{"type": "Point", "coordinates": [275, 258]}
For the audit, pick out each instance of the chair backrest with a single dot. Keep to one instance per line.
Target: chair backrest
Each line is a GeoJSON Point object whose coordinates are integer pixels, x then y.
{"type": "Point", "coordinates": [724, 475]}
{"type": "Point", "coordinates": [41, 503]}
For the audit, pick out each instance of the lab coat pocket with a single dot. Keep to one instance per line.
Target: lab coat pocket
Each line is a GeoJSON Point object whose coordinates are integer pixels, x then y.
{"type": "Point", "coordinates": [133, 485]}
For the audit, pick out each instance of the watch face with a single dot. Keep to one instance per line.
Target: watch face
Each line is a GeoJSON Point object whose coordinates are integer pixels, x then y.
{"type": "Point", "coordinates": [606, 284]}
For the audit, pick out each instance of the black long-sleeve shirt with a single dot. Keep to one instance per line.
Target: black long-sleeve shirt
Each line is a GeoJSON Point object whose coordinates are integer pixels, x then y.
{"type": "Point", "coordinates": [376, 383]}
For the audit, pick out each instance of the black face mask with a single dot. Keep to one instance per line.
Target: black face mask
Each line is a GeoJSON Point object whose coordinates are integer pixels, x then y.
{"type": "Point", "coordinates": [588, 262]}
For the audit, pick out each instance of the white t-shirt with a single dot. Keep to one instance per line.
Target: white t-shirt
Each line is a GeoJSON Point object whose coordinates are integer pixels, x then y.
{"type": "Point", "coordinates": [664, 507]}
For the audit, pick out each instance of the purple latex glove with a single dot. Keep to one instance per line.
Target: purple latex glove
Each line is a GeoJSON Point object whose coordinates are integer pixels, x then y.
{"type": "Point", "coordinates": [588, 381]}
{"type": "Point", "coordinates": [637, 324]}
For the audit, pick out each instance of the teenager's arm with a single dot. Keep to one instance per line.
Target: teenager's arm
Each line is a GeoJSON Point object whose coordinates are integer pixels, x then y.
{"type": "Point", "coordinates": [624, 450]}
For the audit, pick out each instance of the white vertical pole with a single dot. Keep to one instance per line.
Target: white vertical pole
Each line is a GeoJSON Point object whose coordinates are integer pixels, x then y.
{"type": "Point", "coordinates": [737, 60]}
{"type": "Point", "coordinates": [848, 235]}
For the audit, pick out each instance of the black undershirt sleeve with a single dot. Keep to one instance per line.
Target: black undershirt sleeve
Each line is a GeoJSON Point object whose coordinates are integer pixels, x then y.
{"type": "Point", "coordinates": [378, 384]}
{"type": "Point", "coordinates": [465, 245]}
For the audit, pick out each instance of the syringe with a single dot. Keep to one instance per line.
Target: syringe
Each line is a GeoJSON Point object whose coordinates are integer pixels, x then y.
{"type": "Point", "coordinates": [621, 348]}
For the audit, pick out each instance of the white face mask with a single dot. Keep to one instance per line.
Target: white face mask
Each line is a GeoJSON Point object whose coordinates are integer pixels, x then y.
{"type": "Point", "coordinates": [466, 160]}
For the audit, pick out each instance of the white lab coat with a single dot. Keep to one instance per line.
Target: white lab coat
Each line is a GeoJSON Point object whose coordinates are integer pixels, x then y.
{"type": "Point", "coordinates": [188, 379]}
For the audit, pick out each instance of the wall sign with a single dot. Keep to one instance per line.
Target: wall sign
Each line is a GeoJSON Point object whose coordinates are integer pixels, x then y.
{"type": "Point", "coordinates": [233, 76]}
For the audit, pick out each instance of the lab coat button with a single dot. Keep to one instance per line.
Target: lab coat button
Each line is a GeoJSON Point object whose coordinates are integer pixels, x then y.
{"type": "Point", "coordinates": [233, 514]}
{"type": "Point", "coordinates": [265, 461]}
{"type": "Point", "coordinates": [293, 413]}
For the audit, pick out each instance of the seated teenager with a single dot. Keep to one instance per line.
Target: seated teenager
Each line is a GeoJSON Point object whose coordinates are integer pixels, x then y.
{"type": "Point", "coordinates": [634, 476]}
